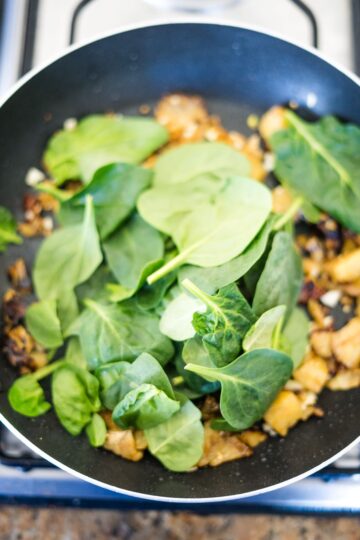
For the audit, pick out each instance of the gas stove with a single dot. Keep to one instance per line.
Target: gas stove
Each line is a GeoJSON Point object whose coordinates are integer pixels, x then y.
{"type": "Point", "coordinates": [32, 32]}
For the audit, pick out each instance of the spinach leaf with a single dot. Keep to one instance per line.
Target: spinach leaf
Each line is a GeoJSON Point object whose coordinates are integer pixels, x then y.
{"type": "Point", "coordinates": [7, 229]}
{"type": "Point", "coordinates": [321, 161]}
{"type": "Point", "coordinates": [74, 354]}
{"type": "Point", "coordinates": [26, 395]}
{"type": "Point", "coordinates": [178, 442]}
{"type": "Point", "coordinates": [67, 309]}
{"type": "Point", "coordinates": [119, 332]}
{"type": "Point", "coordinates": [121, 377]}
{"type": "Point", "coordinates": [144, 407]}
{"type": "Point", "coordinates": [295, 336]}
{"type": "Point", "coordinates": [96, 430]}
{"type": "Point", "coordinates": [150, 296]}
{"type": "Point", "coordinates": [202, 221]}
{"type": "Point", "coordinates": [249, 384]}
{"type": "Point", "coordinates": [114, 189]}
{"type": "Point", "coordinates": [281, 279]}
{"type": "Point", "coordinates": [43, 324]}
{"type": "Point", "coordinates": [260, 335]}
{"type": "Point", "coordinates": [214, 278]}
{"type": "Point", "coordinates": [132, 253]}
{"type": "Point", "coordinates": [95, 287]}
{"type": "Point", "coordinates": [75, 394]}
{"type": "Point", "coordinates": [193, 160]}
{"type": "Point", "coordinates": [194, 350]}
{"type": "Point", "coordinates": [224, 324]}
{"type": "Point", "coordinates": [99, 140]}
{"type": "Point", "coordinates": [68, 257]}
{"type": "Point", "coordinates": [176, 320]}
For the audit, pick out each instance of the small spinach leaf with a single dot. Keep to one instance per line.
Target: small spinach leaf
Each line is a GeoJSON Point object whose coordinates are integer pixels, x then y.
{"type": "Point", "coordinates": [43, 323]}
{"type": "Point", "coordinates": [176, 321]}
{"type": "Point", "coordinates": [193, 381]}
{"type": "Point", "coordinates": [260, 335]}
{"type": "Point", "coordinates": [7, 229]}
{"type": "Point", "coordinates": [224, 324]}
{"type": "Point", "coordinates": [96, 430]}
{"type": "Point", "coordinates": [178, 442]}
{"type": "Point", "coordinates": [249, 384]}
{"type": "Point", "coordinates": [150, 296]}
{"type": "Point", "coordinates": [281, 279]}
{"type": "Point", "coordinates": [144, 407]}
{"type": "Point", "coordinates": [68, 257]}
{"type": "Point", "coordinates": [295, 336]}
{"type": "Point", "coordinates": [98, 140]}
{"type": "Point", "coordinates": [74, 354]}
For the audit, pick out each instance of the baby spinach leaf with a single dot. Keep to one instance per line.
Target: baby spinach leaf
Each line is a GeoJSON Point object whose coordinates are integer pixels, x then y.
{"type": "Point", "coordinates": [249, 384]}
{"type": "Point", "coordinates": [26, 395]}
{"type": "Point", "coordinates": [68, 257]}
{"type": "Point", "coordinates": [281, 279]}
{"type": "Point", "coordinates": [194, 350]}
{"type": "Point", "coordinates": [260, 335]}
{"type": "Point", "coordinates": [224, 324]}
{"type": "Point", "coordinates": [121, 377]}
{"type": "Point", "coordinates": [74, 354]}
{"type": "Point", "coordinates": [176, 321]}
{"type": "Point", "coordinates": [67, 309]}
{"type": "Point", "coordinates": [114, 189]}
{"type": "Point", "coordinates": [75, 394]}
{"type": "Point", "coordinates": [321, 161]}
{"type": "Point", "coordinates": [144, 407]}
{"type": "Point", "coordinates": [95, 287]}
{"type": "Point", "coordinates": [214, 278]}
{"type": "Point", "coordinates": [201, 159]}
{"type": "Point", "coordinates": [178, 442]}
{"type": "Point", "coordinates": [295, 336]}
{"type": "Point", "coordinates": [98, 140]}
{"type": "Point", "coordinates": [150, 296]}
{"type": "Point", "coordinates": [132, 253]}
{"type": "Point", "coordinates": [43, 324]}
{"type": "Point", "coordinates": [7, 229]}
{"type": "Point", "coordinates": [119, 332]}
{"type": "Point", "coordinates": [96, 430]}
{"type": "Point", "coordinates": [203, 227]}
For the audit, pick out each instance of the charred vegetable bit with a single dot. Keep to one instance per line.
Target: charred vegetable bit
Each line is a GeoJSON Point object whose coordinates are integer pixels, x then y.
{"type": "Point", "coordinates": [194, 309]}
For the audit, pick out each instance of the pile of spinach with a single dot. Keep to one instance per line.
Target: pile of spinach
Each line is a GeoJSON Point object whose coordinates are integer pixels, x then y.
{"type": "Point", "coordinates": [160, 286]}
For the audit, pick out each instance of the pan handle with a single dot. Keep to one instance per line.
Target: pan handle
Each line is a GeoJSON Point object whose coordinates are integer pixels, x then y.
{"type": "Point", "coordinates": [299, 3]}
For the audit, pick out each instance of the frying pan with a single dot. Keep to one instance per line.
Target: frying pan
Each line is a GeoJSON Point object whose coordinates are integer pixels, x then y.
{"type": "Point", "coordinates": [238, 71]}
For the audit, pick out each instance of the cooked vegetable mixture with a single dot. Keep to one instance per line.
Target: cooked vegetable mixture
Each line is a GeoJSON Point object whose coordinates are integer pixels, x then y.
{"type": "Point", "coordinates": [183, 306]}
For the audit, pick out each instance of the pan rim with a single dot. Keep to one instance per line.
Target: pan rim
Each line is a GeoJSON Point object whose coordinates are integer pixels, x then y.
{"type": "Point", "coordinates": [183, 500]}
{"type": "Point", "coordinates": [22, 82]}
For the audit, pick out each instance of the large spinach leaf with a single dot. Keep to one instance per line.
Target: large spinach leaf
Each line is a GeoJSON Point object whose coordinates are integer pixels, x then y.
{"type": "Point", "coordinates": [7, 229]}
{"type": "Point", "coordinates": [321, 160]}
{"type": "Point", "coordinates": [119, 332]}
{"type": "Point", "coordinates": [194, 160]}
{"type": "Point", "coordinates": [144, 407]}
{"type": "Point", "coordinates": [98, 140]}
{"type": "Point", "coordinates": [281, 279]}
{"type": "Point", "coordinates": [202, 222]}
{"type": "Point", "coordinates": [114, 189]}
{"type": "Point", "coordinates": [225, 322]}
{"type": "Point", "coordinates": [75, 394]}
{"type": "Point", "coordinates": [132, 253]}
{"type": "Point", "coordinates": [68, 257]}
{"type": "Point", "coordinates": [214, 278]}
{"type": "Point", "coordinates": [249, 384]}
{"type": "Point", "coordinates": [43, 323]}
{"type": "Point", "coordinates": [178, 442]}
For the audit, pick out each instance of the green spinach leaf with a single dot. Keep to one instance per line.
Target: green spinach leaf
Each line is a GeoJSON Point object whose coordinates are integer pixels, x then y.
{"type": "Point", "coordinates": [68, 257]}
{"type": "Point", "coordinates": [114, 189]}
{"type": "Point", "coordinates": [75, 394]}
{"type": "Point", "coordinates": [67, 309]}
{"type": "Point", "coordinates": [194, 351]}
{"type": "Point", "coordinates": [144, 407]}
{"type": "Point", "coordinates": [201, 159]}
{"type": "Point", "coordinates": [43, 323]}
{"type": "Point", "coordinates": [7, 229]}
{"type": "Point", "coordinates": [178, 442]}
{"type": "Point", "coordinates": [281, 279]}
{"type": "Point", "coordinates": [249, 384]}
{"type": "Point", "coordinates": [132, 253]}
{"type": "Point", "coordinates": [74, 354]}
{"type": "Point", "coordinates": [176, 320]}
{"type": "Point", "coordinates": [98, 140]}
{"type": "Point", "coordinates": [260, 335]}
{"type": "Point", "coordinates": [96, 430]}
{"type": "Point", "coordinates": [295, 336]}
{"type": "Point", "coordinates": [321, 161]}
{"type": "Point", "coordinates": [224, 324]}
{"type": "Point", "coordinates": [95, 287]}
{"type": "Point", "coordinates": [119, 332]}
{"type": "Point", "coordinates": [151, 296]}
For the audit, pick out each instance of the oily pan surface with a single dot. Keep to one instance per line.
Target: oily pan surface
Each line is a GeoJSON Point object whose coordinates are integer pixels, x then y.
{"type": "Point", "coordinates": [238, 72]}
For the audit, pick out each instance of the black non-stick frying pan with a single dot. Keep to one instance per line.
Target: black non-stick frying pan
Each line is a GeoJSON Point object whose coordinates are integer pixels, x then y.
{"type": "Point", "coordinates": [239, 71]}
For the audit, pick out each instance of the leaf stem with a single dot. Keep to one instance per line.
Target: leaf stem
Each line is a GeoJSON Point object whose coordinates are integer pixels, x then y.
{"type": "Point", "coordinates": [47, 370]}
{"type": "Point", "coordinates": [289, 214]}
{"type": "Point", "coordinates": [167, 268]}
